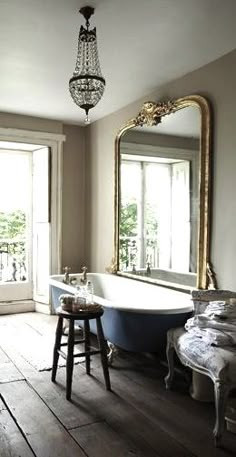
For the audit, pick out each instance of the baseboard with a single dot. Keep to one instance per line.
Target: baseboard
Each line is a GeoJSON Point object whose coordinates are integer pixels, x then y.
{"type": "Point", "coordinates": [42, 308]}
{"type": "Point", "coordinates": [14, 307]}
{"type": "Point", "coordinates": [24, 306]}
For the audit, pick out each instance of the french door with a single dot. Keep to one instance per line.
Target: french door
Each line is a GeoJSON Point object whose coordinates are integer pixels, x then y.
{"type": "Point", "coordinates": [15, 225]}
{"type": "Point", "coordinates": [24, 223]}
{"type": "Point", "coordinates": [32, 251]}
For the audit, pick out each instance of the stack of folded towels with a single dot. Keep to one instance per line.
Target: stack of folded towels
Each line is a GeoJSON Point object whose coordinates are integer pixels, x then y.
{"type": "Point", "coordinates": [216, 325]}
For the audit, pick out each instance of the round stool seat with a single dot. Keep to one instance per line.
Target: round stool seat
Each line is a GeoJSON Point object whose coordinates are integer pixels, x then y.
{"type": "Point", "coordinates": [92, 313]}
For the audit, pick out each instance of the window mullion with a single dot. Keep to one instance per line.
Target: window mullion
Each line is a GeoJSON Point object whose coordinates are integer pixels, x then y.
{"type": "Point", "coordinates": [143, 216]}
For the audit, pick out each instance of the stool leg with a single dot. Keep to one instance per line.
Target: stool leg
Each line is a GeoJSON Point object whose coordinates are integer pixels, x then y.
{"type": "Point", "coordinates": [87, 344]}
{"type": "Point", "coordinates": [70, 359]}
{"type": "Point", "coordinates": [56, 347]}
{"type": "Point", "coordinates": [103, 349]}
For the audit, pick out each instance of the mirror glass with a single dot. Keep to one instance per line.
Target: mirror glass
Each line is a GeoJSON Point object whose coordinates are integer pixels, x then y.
{"type": "Point", "coordinates": [160, 171]}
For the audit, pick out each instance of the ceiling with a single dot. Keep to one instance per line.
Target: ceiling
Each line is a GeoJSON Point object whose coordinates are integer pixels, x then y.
{"type": "Point", "coordinates": [142, 44]}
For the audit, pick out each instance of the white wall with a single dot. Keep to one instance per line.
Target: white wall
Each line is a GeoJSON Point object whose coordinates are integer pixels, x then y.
{"type": "Point", "coordinates": [216, 81]}
{"type": "Point", "coordinates": [38, 124]}
{"type": "Point", "coordinates": [73, 198]}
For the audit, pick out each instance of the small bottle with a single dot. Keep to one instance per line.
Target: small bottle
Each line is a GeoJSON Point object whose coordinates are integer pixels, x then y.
{"type": "Point", "coordinates": [77, 292]}
{"type": "Point", "coordinates": [90, 293]}
{"type": "Point", "coordinates": [81, 295]}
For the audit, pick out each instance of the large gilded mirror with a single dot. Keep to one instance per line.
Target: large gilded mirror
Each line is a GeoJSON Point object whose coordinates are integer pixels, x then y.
{"type": "Point", "coordinates": [162, 160]}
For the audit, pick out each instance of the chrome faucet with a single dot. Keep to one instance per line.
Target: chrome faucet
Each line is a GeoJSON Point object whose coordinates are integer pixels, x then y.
{"type": "Point", "coordinates": [66, 278]}
{"type": "Point", "coordinates": [83, 278]}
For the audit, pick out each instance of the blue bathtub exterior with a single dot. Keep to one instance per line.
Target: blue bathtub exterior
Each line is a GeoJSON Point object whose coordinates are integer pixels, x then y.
{"type": "Point", "coordinates": [133, 331]}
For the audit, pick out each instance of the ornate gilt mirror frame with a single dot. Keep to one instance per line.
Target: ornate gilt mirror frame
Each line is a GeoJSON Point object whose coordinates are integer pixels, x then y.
{"type": "Point", "coordinates": [151, 115]}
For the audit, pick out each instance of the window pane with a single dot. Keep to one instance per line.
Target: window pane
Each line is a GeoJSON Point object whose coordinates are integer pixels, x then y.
{"type": "Point", "coordinates": [130, 214]}
{"type": "Point", "coordinates": [14, 215]}
{"type": "Point", "coordinates": [157, 214]}
{"type": "Point", "coordinates": [180, 258]}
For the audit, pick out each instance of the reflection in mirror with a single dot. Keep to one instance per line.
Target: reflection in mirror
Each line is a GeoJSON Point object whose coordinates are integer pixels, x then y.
{"type": "Point", "coordinates": [159, 198]}
{"type": "Point", "coordinates": [159, 222]}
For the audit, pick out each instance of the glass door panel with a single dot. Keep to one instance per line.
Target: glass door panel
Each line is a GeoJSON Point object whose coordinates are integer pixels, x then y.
{"type": "Point", "coordinates": [15, 225]}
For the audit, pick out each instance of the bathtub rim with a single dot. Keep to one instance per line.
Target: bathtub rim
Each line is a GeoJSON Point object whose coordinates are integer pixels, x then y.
{"type": "Point", "coordinates": [56, 281]}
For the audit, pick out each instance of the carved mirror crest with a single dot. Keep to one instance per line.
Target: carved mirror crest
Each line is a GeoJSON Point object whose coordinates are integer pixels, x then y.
{"type": "Point", "coordinates": [162, 171]}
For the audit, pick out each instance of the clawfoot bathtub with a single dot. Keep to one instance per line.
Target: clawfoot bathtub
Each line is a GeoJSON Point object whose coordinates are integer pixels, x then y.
{"type": "Point", "coordinates": [136, 315]}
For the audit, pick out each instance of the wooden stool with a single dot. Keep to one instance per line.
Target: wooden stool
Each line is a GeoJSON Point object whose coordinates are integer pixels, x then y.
{"type": "Point", "coordinates": [69, 357]}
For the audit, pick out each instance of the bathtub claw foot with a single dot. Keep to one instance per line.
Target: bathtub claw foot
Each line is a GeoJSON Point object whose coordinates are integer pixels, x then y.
{"type": "Point", "coordinates": [113, 351]}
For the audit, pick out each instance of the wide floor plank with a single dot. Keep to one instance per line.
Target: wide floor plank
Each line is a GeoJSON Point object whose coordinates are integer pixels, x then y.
{"type": "Point", "coordinates": [99, 440]}
{"type": "Point", "coordinates": [80, 410]}
{"type": "Point", "coordinates": [12, 442]}
{"type": "Point", "coordinates": [8, 371]}
{"type": "Point", "coordinates": [46, 436]}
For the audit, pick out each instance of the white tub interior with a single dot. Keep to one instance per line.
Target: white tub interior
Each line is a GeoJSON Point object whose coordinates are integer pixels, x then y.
{"type": "Point", "coordinates": [130, 295]}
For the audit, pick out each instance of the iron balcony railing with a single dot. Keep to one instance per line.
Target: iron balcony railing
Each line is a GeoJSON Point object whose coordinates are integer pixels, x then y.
{"type": "Point", "coordinates": [136, 254]}
{"type": "Point", "coordinates": [13, 260]}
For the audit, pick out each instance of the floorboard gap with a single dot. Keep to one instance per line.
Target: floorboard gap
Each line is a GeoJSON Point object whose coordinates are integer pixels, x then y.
{"type": "Point", "coordinates": [18, 426]}
{"type": "Point", "coordinates": [84, 425]}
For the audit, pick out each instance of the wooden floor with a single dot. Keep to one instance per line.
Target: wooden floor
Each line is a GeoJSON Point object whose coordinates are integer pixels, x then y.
{"type": "Point", "coordinates": [138, 418]}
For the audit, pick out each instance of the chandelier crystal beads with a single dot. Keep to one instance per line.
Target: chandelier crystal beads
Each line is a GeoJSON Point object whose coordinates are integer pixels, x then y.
{"type": "Point", "coordinates": [87, 83]}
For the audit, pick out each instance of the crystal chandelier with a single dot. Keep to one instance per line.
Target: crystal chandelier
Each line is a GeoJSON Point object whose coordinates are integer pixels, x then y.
{"type": "Point", "coordinates": [87, 83]}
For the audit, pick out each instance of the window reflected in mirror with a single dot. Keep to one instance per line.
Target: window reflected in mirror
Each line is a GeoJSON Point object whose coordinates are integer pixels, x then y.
{"type": "Point", "coordinates": [159, 198]}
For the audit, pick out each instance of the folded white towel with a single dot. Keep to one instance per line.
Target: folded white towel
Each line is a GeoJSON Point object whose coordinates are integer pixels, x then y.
{"type": "Point", "coordinates": [204, 321]}
{"type": "Point", "coordinates": [214, 337]}
{"type": "Point", "coordinates": [213, 330]}
{"type": "Point", "coordinates": [221, 308]}
{"type": "Point", "coordinates": [216, 325]}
